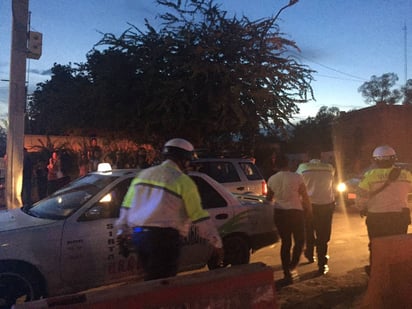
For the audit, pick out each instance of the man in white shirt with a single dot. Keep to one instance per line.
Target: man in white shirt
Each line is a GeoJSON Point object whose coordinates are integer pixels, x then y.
{"type": "Point", "coordinates": [292, 205]}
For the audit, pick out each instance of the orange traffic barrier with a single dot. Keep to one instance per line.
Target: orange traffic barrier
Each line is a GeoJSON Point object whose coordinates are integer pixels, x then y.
{"type": "Point", "coordinates": [390, 283]}
{"type": "Point", "coordinates": [245, 286]}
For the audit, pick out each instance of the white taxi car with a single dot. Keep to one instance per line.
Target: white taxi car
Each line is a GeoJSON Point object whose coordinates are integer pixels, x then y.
{"type": "Point", "coordinates": [67, 242]}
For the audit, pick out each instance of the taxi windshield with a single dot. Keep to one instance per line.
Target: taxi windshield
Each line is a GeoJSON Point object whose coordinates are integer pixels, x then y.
{"type": "Point", "coordinates": [67, 200]}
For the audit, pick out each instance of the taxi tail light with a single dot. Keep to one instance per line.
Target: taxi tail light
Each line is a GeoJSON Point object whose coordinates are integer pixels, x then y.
{"type": "Point", "coordinates": [264, 187]}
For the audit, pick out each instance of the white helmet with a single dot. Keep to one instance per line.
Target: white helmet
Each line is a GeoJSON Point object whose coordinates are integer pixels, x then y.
{"type": "Point", "coordinates": [384, 152]}
{"type": "Point", "coordinates": [178, 147]}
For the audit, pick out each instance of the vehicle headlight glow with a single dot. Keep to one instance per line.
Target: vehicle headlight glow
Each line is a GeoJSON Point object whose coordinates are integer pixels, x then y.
{"type": "Point", "coordinates": [342, 187]}
{"type": "Point", "coordinates": [106, 199]}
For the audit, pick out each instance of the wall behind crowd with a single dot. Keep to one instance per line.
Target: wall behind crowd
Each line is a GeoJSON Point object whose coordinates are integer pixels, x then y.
{"type": "Point", "coordinates": [357, 133]}
{"type": "Point", "coordinates": [121, 153]}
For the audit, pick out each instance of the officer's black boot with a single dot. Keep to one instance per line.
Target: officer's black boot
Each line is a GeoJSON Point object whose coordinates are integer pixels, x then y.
{"type": "Point", "coordinates": [323, 258]}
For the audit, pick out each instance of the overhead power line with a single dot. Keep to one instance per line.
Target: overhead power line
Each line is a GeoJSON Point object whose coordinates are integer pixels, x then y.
{"type": "Point", "coordinates": [339, 78]}
{"type": "Point", "coordinates": [332, 69]}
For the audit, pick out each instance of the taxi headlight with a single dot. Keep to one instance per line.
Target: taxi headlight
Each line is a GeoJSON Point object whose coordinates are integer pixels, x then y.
{"type": "Point", "coordinates": [106, 199]}
{"type": "Point", "coordinates": [342, 187]}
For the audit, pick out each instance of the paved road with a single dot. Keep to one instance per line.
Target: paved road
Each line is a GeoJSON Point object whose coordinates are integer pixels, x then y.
{"type": "Point", "coordinates": [348, 248]}
{"type": "Point", "coordinates": [346, 283]}
{"type": "Point", "coordinates": [348, 252]}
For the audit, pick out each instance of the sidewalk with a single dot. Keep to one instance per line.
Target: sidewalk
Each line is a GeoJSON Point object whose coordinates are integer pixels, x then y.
{"type": "Point", "coordinates": [328, 291]}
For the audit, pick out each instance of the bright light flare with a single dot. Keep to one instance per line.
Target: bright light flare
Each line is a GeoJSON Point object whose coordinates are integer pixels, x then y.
{"type": "Point", "coordinates": [106, 199]}
{"type": "Point", "coordinates": [341, 187]}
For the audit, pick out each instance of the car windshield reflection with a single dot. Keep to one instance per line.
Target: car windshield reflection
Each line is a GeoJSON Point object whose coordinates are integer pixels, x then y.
{"type": "Point", "coordinates": [64, 202]}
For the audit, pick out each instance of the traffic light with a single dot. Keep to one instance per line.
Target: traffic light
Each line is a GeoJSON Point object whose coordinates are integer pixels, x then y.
{"type": "Point", "coordinates": [34, 45]}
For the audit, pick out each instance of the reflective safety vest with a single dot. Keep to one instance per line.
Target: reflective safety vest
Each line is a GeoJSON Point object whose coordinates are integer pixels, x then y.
{"type": "Point", "coordinates": [162, 196]}
{"type": "Point", "coordinates": [319, 181]}
{"type": "Point", "coordinates": [392, 198]}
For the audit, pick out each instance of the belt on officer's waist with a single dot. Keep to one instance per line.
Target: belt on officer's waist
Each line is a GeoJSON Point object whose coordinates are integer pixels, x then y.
{"type": "Point", "coordinates": [143, 229]}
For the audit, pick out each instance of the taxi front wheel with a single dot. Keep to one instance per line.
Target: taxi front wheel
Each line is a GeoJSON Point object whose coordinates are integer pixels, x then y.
{"type": "Point", "coordinates": [236, 250]}
{"type": "Point", "coordinates": [18, 284]}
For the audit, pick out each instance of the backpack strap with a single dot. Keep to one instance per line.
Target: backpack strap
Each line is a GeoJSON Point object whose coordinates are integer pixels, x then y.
{"type": "Point", "coordinates": [393, 175]}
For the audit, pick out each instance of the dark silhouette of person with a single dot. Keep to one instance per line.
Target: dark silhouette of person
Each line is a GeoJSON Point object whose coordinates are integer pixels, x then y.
{"type": "Point", "coordinates": [83, 164]}
{"type": "Point", "coordinates": [94, 155]}
{"type": "Point", "coordinates": [54, 173]}
{"type": "Point", "coordinates": [41, 179]}
{"type": "Point", "coordinates": [270, 166]}
{"type": "Point", "coordinates": [27, 179]}
{"type": "Point", "coordinates": [142, 158]}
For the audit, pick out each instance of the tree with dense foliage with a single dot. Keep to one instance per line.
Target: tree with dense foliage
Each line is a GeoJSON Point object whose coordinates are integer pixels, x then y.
{"type": "Point", "coordinates": [379, 89]}
{"type": "Point", "coordinates": [407, 92]}
{"type": "Point", "coordinates": [61, 104]}
{"type": "Point", "coordinates": [314, 132]}
{"type": "Point", "coordinates": [3, 137]}
{"type": "Point", "coordinates": [203, 76]}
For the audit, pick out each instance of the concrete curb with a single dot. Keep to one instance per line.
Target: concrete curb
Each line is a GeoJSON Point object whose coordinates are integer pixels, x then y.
{"type": "Point", "coordinates": [244, 286]}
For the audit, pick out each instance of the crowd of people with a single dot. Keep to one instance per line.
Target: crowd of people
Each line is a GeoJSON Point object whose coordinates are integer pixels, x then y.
{"type": "Point", "coordinates": [43, 177]}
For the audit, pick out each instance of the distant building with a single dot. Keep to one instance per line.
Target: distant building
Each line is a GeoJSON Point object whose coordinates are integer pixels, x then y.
{"type": "Point", "coordinates": [358, 132]}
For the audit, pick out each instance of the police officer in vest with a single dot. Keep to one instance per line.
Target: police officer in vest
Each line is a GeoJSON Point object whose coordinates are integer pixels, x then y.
{"type": "Point", "coordinates": [319, 179]}
{"type": "Point", "coordinates": [160, 205]}
{"type": "Point", "coordinates": [383, 196]}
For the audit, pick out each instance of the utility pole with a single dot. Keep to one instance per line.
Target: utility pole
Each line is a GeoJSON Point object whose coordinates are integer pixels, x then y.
{"type": "Point", "coordinates": [406, 51]}
{"type": "Point", "coordinates": [17, 103]}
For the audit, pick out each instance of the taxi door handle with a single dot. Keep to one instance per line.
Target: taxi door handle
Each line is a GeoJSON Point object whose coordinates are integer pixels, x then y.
{"type": "Point", "coordinates": [221, 216]}
{"type": "Point", "coordinates": [240, 188]}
